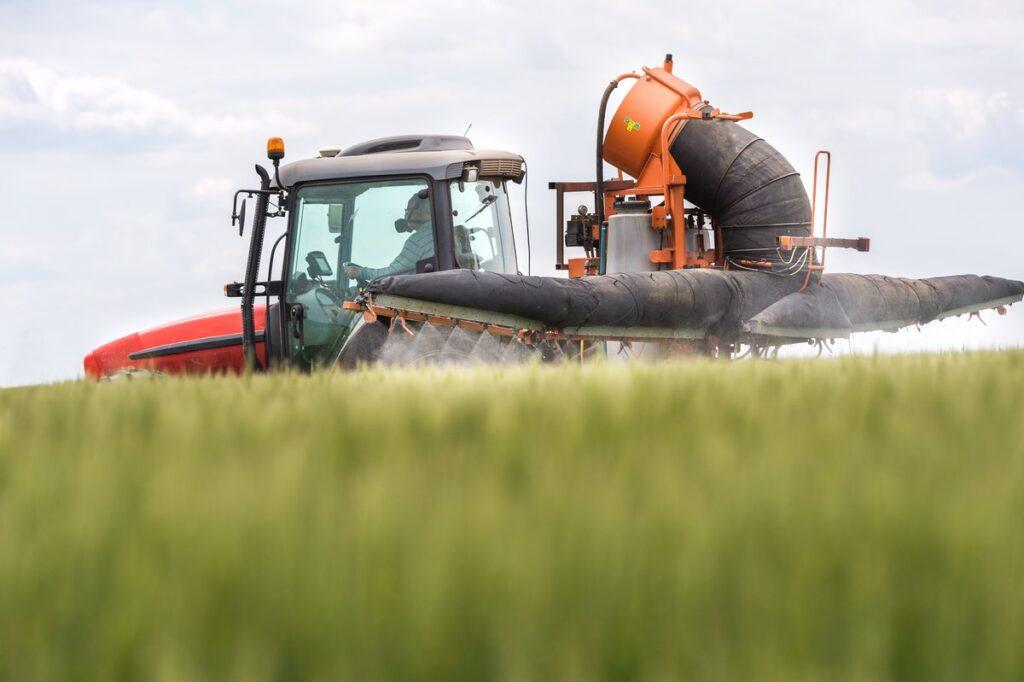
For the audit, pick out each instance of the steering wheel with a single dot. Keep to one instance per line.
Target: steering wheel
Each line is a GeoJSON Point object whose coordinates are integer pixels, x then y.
{"type": "Point", "coordinates": [330, 303]}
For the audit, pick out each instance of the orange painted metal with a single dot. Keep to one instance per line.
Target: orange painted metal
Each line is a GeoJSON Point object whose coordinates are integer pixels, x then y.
{"type": "Point", "coordinates": [634, 130]}
{"type": "Point", "coordinates": [658, 221]}
{"type": "Point", "coordinates": [638, 141]}
{"type": "Point", "coordinates": [787, 243]}
{"type": "Point", "coordinates": [469, 325]}
{"type": "Point", "coordinates": [820, 265]}
{"type": "Point", "coordinates": [578, 267]}
{"type": "Point", "coordinates": [662, 256]}
{"type": "Point", "coordinates": [649, 182]}
{"type": "Point", "coordinates": [412, 315]}
{"type": "Point", "coordinates": [827, 155]}
{"type": "Point", "coordinates": [673, 181]}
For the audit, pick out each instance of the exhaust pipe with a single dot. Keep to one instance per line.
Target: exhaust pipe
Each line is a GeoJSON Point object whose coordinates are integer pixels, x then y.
{"type": "Point", "coordinates": [252, 269]}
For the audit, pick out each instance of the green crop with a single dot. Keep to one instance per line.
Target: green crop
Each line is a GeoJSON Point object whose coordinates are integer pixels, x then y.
{"type": "Point", "coordinates": [854, 519]}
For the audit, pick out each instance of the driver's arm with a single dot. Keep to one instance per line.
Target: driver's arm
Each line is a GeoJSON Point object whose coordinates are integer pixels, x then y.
{"type": "Point", "coordinates": [418, 246]}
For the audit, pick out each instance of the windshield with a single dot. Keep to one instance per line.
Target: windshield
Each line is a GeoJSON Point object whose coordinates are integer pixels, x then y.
{"type": "Point", "coordinates": [482, 226]}
{"type": "Point", "coordinates": [347, 235]}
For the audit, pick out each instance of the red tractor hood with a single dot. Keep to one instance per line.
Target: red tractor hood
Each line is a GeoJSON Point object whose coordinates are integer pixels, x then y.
{"type": "Point", "coordinates": [211, 342]}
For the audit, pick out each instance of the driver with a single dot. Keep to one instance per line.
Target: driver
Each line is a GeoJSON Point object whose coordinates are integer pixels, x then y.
{"type": "Point", "coordinates": [418, 246]}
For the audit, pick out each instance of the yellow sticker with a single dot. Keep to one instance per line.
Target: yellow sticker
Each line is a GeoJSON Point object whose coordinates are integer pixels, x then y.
{"type": "Point", "coordinates": [631, 125]}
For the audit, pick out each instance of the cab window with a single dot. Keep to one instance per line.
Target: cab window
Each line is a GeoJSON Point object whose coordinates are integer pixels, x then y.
{"type": "Point", "coordinates": [482, 226]}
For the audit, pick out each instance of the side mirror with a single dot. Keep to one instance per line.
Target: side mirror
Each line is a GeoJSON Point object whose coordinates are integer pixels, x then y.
{"type": "Point", "coordinates": [318, 266]}
{"type": "Point", "coordinates": [239, 218]}
{"type": "Point", "coordinates": [334, 216]}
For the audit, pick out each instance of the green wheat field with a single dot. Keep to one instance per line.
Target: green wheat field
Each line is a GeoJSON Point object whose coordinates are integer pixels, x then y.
{"type": "Point", "coordinates": [845, 519]}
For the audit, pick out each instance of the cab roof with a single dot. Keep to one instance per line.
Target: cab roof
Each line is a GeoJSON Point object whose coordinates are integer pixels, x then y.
{"type": "Point", "coordinates": [442, 157]}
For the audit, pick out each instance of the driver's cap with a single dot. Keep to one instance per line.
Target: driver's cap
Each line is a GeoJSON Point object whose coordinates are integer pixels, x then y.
{"type": "Point", "coordinates": [418, 208]}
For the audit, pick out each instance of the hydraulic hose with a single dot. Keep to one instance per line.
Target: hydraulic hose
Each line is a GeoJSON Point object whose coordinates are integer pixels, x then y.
{"type": "Point", "coordinates": [599, 184]}
{"type": "Point", "coordinates": [599, 191]}
{"type": "Point", "coordinates": [252, 269]}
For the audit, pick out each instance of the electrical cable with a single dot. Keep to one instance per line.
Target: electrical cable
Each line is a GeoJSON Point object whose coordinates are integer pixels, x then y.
{"type": "Point", "coordinates": [526, 213]}
{"type": "Point", "coordinates": [790, 271]}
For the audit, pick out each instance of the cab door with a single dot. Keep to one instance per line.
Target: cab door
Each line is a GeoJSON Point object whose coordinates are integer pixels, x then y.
{"type": "Point", "coordinates": [343, 236]}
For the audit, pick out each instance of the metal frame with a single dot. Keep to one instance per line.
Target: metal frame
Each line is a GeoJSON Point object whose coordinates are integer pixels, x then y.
{"type": "Point", "coordinates": [561, 189]}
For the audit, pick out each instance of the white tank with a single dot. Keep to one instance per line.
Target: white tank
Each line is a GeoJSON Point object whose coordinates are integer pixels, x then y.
{"type": "Point", "coordinates": [630, 242]}
{"type": "Point", "coordinates": [631, 238]}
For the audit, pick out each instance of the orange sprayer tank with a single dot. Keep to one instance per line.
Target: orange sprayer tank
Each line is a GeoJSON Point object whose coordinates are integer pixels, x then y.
{"type": "Point", "coordinates": [635, 130]}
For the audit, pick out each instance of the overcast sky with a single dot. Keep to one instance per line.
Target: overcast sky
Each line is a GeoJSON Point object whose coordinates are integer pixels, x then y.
{"type": "Point", "coordinates": [126, 126]}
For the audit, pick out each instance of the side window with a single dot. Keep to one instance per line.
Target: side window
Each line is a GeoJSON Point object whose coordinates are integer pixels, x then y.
{"type": "Point", "coordinates": [315, 220]}
{"type": "Point", "coordinates": [481, 226]}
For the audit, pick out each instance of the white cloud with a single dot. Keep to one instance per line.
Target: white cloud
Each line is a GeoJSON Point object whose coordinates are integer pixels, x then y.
{"type": "Point", "coordinates": [937, 26]}
{"type": "Point", "coordinates": [927, 179]}
{"type": "Point", "coordinates": [31, 93]}
{"type": "Point", "coordinates": [962, 112]}
{"type": "Point", "coordinates": [207, 188]}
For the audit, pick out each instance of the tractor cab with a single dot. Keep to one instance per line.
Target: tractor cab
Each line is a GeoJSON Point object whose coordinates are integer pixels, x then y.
{"type": "Point", "coordinates": [395, 206]}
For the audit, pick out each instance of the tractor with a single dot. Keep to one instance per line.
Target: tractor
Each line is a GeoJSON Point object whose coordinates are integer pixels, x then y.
{"type": "Point", "coordinates": [402, 251]}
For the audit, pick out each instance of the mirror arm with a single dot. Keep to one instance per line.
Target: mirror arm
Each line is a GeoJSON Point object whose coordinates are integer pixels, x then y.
{"type": "Point", "coordinates": [237, 216]}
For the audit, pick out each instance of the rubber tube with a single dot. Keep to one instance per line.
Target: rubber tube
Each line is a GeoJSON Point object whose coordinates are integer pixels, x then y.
{"type": "Point", "coordinates": [599, 184]}
{"type": "Point", "coordinates": [727, 304]}
{"type": "Point", "coordinates": [753, 193]}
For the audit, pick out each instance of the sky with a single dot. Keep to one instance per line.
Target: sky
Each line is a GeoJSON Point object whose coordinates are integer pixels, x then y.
{"type": "Point", "coordinates": [126, 126]}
